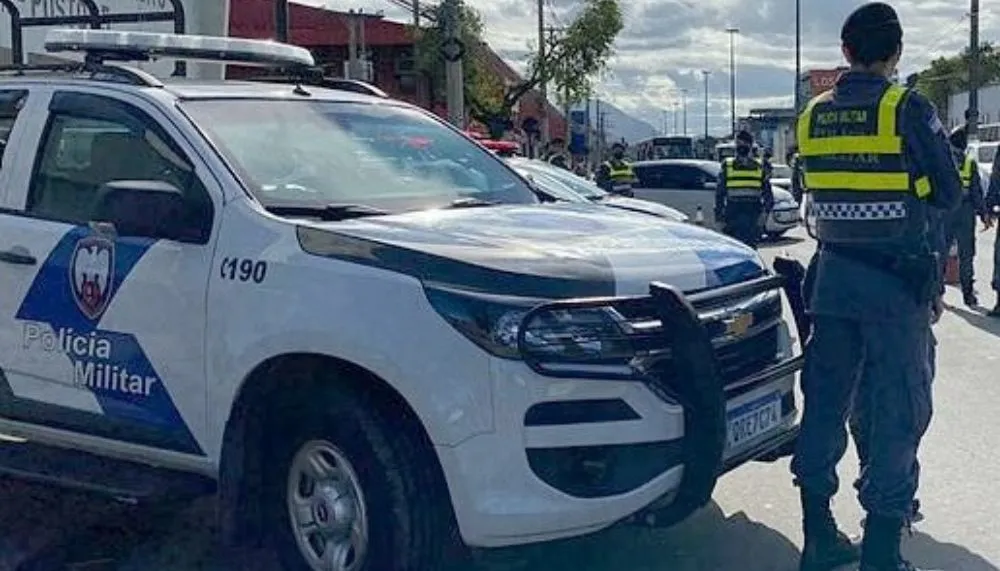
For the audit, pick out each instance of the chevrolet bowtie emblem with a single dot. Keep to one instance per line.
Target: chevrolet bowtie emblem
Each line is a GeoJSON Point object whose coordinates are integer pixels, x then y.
{"type": "Point", "coordinates": [739, 324]}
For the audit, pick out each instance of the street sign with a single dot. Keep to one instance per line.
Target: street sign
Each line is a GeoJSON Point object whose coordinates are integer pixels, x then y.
{"type": "Point", "coordinates": [452, 49]}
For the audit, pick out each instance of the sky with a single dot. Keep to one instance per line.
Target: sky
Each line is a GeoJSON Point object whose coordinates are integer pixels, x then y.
{"type": "Point", "coordinates": [666, 44]}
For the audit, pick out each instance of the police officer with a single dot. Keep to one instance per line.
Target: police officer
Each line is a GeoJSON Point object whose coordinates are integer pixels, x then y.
{"type": "Point", "coordinates": [875, 159]}
{"type": "Point", "coordinates": [743, 194]}
{"type": "Point", "coordinates": [992, 208]}
{"type": "Point", "coordinates": [961, 224]}
{"type": "Point", "coordinates": [616, 175]}
{"type": "Point", "coordinates": [767, 163]}
{"type": "Point", "coordinates": [557, 154]}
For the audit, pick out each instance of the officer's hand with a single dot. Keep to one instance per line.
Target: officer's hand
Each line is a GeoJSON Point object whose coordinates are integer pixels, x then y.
{"type": "Point", "coordinates": [937, 308]}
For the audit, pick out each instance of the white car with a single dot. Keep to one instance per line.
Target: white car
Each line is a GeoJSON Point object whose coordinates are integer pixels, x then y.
{"type": "Point", "coordinates": [689, 186]}
{"type": "Point", "coordinates": [984, 153]}
{"type": "Point", "coordinates": [356, 325]}
{"type": "Point", "coordinates": [564, 185]}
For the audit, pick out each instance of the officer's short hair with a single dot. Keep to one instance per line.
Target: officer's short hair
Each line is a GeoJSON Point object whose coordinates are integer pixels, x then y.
{"type": "Point", "coordinates": [618, 146]}
{"type": "Point", "coordinates": [744, 137]}
{"type": "Point", "coordinates": [872, 33]}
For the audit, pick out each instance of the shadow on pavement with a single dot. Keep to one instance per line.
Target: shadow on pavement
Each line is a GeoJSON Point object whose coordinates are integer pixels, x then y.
{"type": "Point", "coordinates": [928, 553]}
{"type": "Point", "coordinates": [977, 318]}
{"type": "Point", "coordinates": [706, 541]}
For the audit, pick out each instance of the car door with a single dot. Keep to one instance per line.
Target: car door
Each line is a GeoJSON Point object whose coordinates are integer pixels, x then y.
{"type": "Point", "coordinates": [109, 332]}
{"type": "Point", "coordinates": [680, 186]}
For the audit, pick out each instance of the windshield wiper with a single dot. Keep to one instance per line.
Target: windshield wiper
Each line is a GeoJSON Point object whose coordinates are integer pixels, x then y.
{"type": "Point", "coordinates": [326, 212]}
{"type": "Point", "coordinates": [470, 202]}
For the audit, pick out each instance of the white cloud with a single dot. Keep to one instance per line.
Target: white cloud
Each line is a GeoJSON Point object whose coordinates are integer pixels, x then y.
{"type": "Point", "coordinates": [666, 42]}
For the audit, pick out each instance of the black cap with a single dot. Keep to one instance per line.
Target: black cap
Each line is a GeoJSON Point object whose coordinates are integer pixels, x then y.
{"type": "Point", "coordinates": [744, 137]}
{"type": "Point", "coordinates": [876, 18]}
{"type": "Point", "coordinates": [958, 138]}
{"type": "Point", "coordinates": [618, 145]}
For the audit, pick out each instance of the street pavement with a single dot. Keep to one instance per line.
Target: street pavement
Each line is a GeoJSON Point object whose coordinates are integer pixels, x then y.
{"type": "Point", "coordinates": [752, 524]}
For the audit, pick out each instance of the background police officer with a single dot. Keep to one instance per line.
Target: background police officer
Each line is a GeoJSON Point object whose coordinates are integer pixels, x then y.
{"type": "Point", "coordinates": [876, 159]}
{"type": "Point", "coordinates": [557, 154]}
{"type": "Point", "coordinates": [616, 175]}
{"type": "Point", "coordinates": [793, 161]}
{"type": "Point", "coordinates": [743, 193]}
{"type": "Point", "coordinates": [992, 207]}
{"type": "Point", "coordinates": [960, 226]}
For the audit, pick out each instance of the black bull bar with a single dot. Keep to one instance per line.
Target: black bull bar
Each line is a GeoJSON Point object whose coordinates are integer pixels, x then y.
{"type": "Point", "coordinates": [686, 370]}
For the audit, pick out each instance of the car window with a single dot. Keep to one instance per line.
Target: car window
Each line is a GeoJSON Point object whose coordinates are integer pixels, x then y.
{"type": "Point", "coordinates": [81, 151]}
{"type": "Point", "coordinates": [320, 152]}
{"type": "Point", "coordinates": [11, 103]}
{"type": "Point", "coordinates": [653, 176]}
{"type": "Point", "coordinates": [986, 153]}
{"type": "Point", "coordinates": [549, 184]}
{"type": "Point", "coordinates": [578, 184]}
{"type": "Point", "coordinates": [690, 178]}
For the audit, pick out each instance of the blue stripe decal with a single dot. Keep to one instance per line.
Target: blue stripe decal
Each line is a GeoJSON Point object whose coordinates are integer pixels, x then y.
{"type": "Point", "coordinates": [111, 364]}
{"type": "Point", "coordinates": [726, 262]}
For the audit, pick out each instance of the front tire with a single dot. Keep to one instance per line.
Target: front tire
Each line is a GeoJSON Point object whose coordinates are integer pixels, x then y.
{"type": "Point", "coordinates": [351, 488]}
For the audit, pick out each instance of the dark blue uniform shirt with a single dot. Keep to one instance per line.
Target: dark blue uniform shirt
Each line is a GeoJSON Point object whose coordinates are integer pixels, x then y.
{"type": "Point", "coordinates": [853, 290]}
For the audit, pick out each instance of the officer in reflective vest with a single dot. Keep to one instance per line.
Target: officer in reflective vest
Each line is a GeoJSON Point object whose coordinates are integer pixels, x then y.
{"type": "Point", "coordinates": [795, 162]}
{"type": "Point", "coordinates": [743, 193]}
{"type": "Point", "coordinates": [961, 224]}
{"type": "Point", "coordinates": [992, 208]}
{"type": "Point", "coordinates": [616, 175]}
{"type": "Point", "coordinates": [876, 159]}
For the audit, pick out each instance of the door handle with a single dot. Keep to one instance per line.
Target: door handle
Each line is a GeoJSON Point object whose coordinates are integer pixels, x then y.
{"type": "Point", "coordinates": [18, 256]}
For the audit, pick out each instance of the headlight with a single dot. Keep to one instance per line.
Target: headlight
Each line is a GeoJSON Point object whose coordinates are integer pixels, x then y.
{"type": "Point", "coordinates": [581, 338]}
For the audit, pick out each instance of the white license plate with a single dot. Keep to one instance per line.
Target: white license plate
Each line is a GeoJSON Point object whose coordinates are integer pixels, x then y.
{"type": "Point", "coordinates": [753, 419]}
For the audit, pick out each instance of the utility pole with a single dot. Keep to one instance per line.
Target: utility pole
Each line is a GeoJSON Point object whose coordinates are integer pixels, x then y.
{"type": "Point", "coordinates": [453, 69]}
{"type": "Point", "coordinates": [363, 63]}
{"type": "Point", "coordinates": [352, 45]}
{"type": "Point", "coordinates": [552, 31]}
{"type": "Point", "coordinates": [684, 105]}
{"type": "Point", "coordinates": [972, 128]}
{"type": "Point", "coordinates": [586, 130]}
{"type": "Point", "coordinates": [732, 76]}
{"type": "Point", "coordinates": [543, 112]}
{"type": "Point", "coordinates": [673, 106]}
{"type": "Point", "coordinates": [798, 54]}
{"type": "Point", "coordinates": [418, 76]}
{"type": "Point", "coordinates": [706, 73]}
{"type": "Point", "coordinates": [280, 21]}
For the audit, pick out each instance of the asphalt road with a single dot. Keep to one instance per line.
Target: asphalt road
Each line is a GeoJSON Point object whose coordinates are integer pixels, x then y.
{"type": "Point", "coordinates": [753, 524]}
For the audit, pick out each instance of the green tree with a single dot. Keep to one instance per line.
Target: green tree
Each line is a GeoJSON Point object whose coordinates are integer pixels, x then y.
{"type": "Point", "coordinates": [950, 75]}
{"type": "Point", "coordinates": [573, 60]}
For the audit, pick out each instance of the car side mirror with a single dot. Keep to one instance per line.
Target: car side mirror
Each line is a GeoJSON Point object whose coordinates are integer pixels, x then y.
{"type": "Point", "coordinates": [141, 208]}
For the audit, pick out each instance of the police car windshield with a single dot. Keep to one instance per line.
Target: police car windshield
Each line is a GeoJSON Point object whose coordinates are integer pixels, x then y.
{"type": "Point", "coordinates": [323, 152]}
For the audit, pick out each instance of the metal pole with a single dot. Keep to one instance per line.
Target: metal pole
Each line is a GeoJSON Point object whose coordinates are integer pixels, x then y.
{"type": "Point", "coordinates": [418, 78]}
{"type": "Point", "coordinates": [684, 104]}
{"type": "Point", "coordinates": [453, 69]}
{"type": "Point", "coordinates": [352, 45]}
{"type": "Point", "coordinates": [281, 20]}
{"type": "Point", "coordinates": [732, 76]}
{"type": "Point", "coordinates": [673, 107]}
{"type": "Point", "coordinates": [543, 86]}
{"type": "Point", "coordinates": [706, 73]}
{"type": "Point", "coordinates": [363, 63]}
{"type": "Point", "coordinates": [798, 53]}
{"type": "Point", "coordinates": [972, 128]}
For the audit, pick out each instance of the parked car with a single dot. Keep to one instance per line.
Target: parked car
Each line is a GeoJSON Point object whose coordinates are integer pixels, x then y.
{"type": "Point", "coordinates": [357, 327]}
{"type": "Point", "coordinates": [561, 181]}
{"type": "Point", "coordinates": [984, 153]}
{"type": "Point", "coordinates": [689, 186]}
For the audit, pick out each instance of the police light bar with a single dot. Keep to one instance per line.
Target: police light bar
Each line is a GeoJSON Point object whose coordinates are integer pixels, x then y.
{"type": "Point", "coordinates": [137, 46]}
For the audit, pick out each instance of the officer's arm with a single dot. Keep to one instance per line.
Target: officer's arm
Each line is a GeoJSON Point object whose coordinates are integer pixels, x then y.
{"type": "Point", "coordinates": [603, 177]}
{"type": "Point", "coordinates": [931, 152]}
{"type": "Point", "coordinates": [720, 192]}
{"type": "Point", "coordinates": [767, 194]}
{"type": "Point", "coordinates": [976, 190]}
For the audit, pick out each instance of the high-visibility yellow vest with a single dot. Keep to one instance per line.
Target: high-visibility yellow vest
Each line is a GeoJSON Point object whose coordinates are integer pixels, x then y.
{"type": "Point", "coordinates": [743, 181]}
{"type": "Point", "coordinates": [855, 168]}
{"type": "Point", "coordinates": [966, 172]}
{"type": "Point", "coordinates": [622, 176]}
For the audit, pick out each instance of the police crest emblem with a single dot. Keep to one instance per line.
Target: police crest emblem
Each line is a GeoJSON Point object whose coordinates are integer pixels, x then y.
{"type": "Point", "coordinates": [91, 273]}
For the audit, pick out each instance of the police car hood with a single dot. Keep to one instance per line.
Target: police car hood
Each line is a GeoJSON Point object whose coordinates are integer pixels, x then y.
{"type": "Point", "coordinates": [554, 251]}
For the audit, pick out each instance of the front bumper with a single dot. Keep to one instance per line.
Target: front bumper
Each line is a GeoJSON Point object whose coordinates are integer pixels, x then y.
{"type": "Point", "coordinates": [575, 452]}
{"type": "Point", "coordinates": [782, 219]}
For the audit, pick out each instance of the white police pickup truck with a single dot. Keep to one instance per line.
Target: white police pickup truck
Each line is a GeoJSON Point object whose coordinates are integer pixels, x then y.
{"type": "Point", "coordinates": [357, 326]}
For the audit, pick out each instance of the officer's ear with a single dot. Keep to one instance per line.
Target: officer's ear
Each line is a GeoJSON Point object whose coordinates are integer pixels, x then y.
{"type": "Point", "coordinates": [846, 51]}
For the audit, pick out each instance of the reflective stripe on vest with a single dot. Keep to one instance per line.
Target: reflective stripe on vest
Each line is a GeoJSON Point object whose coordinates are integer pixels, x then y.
{"type": "Point", "coordinates": [854, 165]}
{"type": "Point", "coordinates": [621, 177]}
{"type": "Point", "coordinates": [743, 182]}
{"type": "Point", "coordinates": [967, 172]}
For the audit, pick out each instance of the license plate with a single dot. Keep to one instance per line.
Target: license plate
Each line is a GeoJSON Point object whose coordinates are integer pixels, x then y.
{"type": "Point", "coordinates": [753, 419]}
